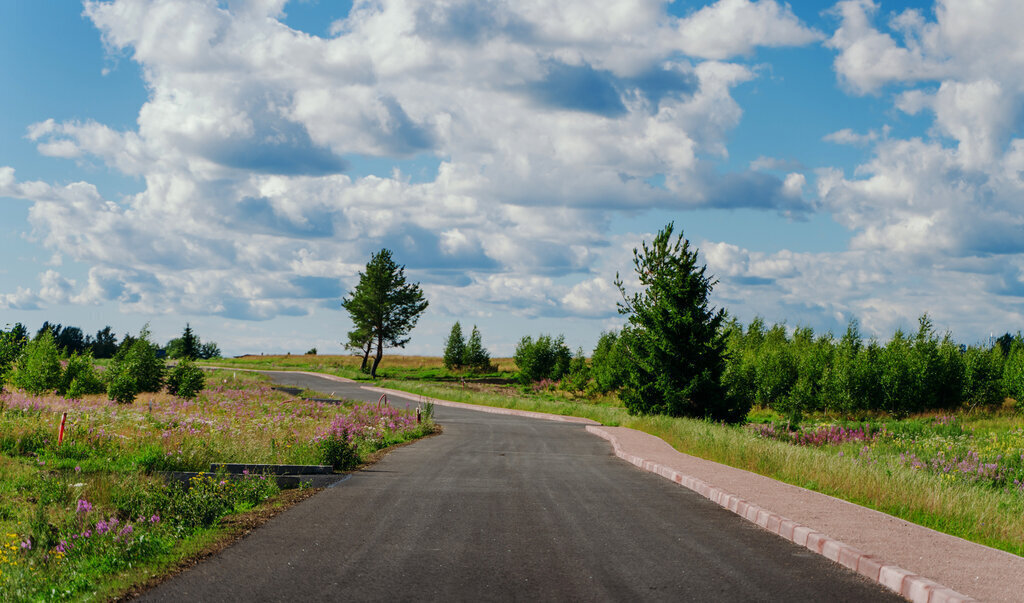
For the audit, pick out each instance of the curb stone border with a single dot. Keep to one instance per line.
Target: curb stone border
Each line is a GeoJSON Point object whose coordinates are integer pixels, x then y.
{"type": "Point", "coordinates": [903, 582]}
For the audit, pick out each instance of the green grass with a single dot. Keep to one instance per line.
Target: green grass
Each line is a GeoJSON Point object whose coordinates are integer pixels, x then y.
{"type": "Point", "coordinates": [421, 368]}
{"type": "Point", "coordinates": [56, 501]}
{"type": "Point", "coordinates": [986, 515]}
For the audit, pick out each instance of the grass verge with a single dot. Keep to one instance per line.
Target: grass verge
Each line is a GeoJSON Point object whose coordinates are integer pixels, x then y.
{"type": "Point", "coordinates": [87, 518]}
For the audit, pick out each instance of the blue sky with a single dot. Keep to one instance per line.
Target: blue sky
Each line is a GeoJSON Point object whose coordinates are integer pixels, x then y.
{"type": "Point", "coordinates": [233, 164]}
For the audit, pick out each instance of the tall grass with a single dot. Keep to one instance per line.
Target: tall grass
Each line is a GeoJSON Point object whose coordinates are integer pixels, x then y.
{"type": "Point", "coordinates": [86, 513]}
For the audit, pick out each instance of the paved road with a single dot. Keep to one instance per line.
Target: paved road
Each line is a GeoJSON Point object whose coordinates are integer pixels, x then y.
{"type": "Point", "coordinates": [510, 508]}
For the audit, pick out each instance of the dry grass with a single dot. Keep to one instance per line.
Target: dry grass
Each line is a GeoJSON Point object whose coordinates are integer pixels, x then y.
{"type": "Point", "coordinates": [346, 365]}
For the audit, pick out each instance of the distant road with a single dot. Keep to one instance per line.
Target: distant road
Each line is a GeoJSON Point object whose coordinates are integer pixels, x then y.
{"type": "Point", "coordinates": [509, 508]}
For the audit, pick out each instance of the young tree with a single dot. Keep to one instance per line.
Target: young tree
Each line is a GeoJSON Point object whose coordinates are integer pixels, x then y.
{"type": "Point", "coordinates": [474, 355]}
{"type": "Point", "coordinates": [454, 348]}
{"type": "Point", "coordinates": [105, 344]}
{"type": "Point", "coordinates": [209, 350]}
{"type": "Point", "coordinates": [606, 364]}
{"type": "Point", "coordinates": [384, 304]}
{"type": "Point", "coordinates": [545, 358]}
{"type": "Point", "coordinates": [135, 368]}
{"type": "Point", "coordinates": [38, 367]}
{"type": "Point", "coordinates": [189, 343]}
{"type": "Point", "coordinates": [11, 344]}
{"type": "Point", "coordinates": [674, 346]}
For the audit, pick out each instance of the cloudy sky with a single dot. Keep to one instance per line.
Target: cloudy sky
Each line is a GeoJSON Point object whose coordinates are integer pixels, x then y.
{"type": "Point", "coordinates": [234, 164]}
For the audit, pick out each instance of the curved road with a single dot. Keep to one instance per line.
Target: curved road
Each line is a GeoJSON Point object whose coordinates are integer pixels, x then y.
{"type": "Point", "coordinates": [509, 508]}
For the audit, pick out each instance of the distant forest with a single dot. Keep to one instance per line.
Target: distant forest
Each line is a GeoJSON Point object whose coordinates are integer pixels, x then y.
{"type": "Point", "coordinates": [105, 344]}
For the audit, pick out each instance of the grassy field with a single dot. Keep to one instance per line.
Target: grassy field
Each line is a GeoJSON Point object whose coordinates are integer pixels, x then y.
{"type": "Point", "coordinates": [391, 367]}
{"type": "Point", "coordinates": [89, 518]}
{"type": "Point", "coordinates": [962, 475]}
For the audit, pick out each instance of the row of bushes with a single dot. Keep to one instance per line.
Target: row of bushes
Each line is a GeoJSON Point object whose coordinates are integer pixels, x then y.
{"type": "Point", "coordinates": [547, 358]}
{"type": "Point", "coordinates": [40, 367]}
{"type": "Point", "coordinates": [800, 373]}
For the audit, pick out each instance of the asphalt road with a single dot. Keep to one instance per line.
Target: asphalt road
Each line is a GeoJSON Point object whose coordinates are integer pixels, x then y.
{"type": "Point", "coordinates": [509, 508]}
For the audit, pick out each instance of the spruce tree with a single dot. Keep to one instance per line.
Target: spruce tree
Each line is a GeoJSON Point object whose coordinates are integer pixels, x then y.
{"type": "Point", "coordinates": [674, 347]}
{"type": "Point", "coordinates": [454, 348]}
{"type": "Point", "coordinates": [189, 344]}
{"type": "Point", "coordinates": [475, 356]}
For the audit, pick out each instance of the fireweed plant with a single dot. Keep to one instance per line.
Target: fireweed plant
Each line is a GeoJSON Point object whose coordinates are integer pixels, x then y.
{"type": "Point", "coordinates": [944, 446]}
{"type": "Point", "coordinates": [76, 516]}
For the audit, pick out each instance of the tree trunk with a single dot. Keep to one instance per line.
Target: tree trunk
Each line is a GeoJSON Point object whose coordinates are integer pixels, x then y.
{"type": "Point", "coordinates": [376, 359]}
{"type": "Point", "coordinates": [366, 354]}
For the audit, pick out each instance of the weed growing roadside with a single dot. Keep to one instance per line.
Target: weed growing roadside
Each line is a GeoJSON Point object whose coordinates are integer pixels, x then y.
{"type": "Point", "coordinates": [86, 512]}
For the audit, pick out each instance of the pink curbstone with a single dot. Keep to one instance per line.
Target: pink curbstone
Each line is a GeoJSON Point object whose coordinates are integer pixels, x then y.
{"type": "Point", "coordinates": [869, 566]}
{"type": "Point", "coordinates": [918, 589]}
{"type": "Point", "coordinates": [741, 508]}
{"type": "Point", "coordinates": [893, 577]}
{"type": "Point", "coordinates": [773, 523]}
{"type": "Point", "coordinates": [849, 557]}
{"type": "Point", "coordinates": [948, 595]}
{"type": "Point", "coordinates": [800, 534]}
{"type": "Point", "coordinates": [815, 540]}
{"type": "Point", "coordinates": [762, 518]}
{"type": "Point", "coordinates": [787, 529]}
{"type": "Point", "coordinates": [830, 549]}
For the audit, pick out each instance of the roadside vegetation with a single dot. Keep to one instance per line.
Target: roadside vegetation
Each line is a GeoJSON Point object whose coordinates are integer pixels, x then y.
{"type": "Point", "coordinates": [90, 516]}
{"type": "Point", "coordinates": [920, 427]}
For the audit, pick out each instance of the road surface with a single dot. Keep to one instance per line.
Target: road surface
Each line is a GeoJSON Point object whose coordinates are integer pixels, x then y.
{"type": "Point", "coordinates": [509, 508]}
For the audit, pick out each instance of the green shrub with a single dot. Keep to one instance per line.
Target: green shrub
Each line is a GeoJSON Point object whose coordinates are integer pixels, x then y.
{"type": "Point", "coordinates": [337, 452]}
{"type": "Point", "coordinates": [134, 369]}
{"type": "Point", "coordinates": [578, 375]}
{"type": "Point", "coordinates": [79, 378]}
{"type": "Point", "coordinates": [38, 368]}
{"type": "Point", "coordinates": [606, 363]}
{"type": "Point", "coordinates": [11, 344]}
{"type": "Point", "coordinates": [186, 380]}
{"type": "Point", "coordinates": [775, 370]}
{"type": "Point", "coordinates": [122, 387]}
{"type": "Point", "coordinates": [1013, 372]}
{"type": "Point", "coordinates": [983, 373]}
{"type": "Point", "coordinates": [545, 358]}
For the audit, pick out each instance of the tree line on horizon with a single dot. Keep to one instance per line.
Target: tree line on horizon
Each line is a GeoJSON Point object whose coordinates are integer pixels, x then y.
{"type": "Point", "coordinates": [72, 340]}
{"type": "Point", "coordinates": [678, 355]}
{"type": "Point", "coordinates": [43, 365]}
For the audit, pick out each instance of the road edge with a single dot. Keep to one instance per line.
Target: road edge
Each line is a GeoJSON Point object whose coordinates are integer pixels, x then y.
{"type": "Point", "coordinates": [498, 410]}
{"type": "Point", "coordinates": [907, 584]}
